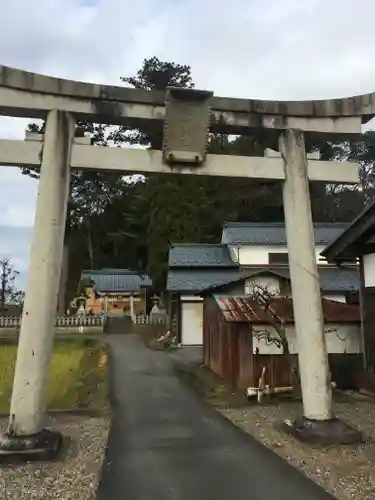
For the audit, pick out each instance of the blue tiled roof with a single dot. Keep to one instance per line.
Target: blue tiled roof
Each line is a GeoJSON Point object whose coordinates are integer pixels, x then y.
{"type": "Point", "coordinates": [195, 280]}
{"type": "Point", "coordinates": [245, 274]}
{"type": "Point", "coordinates": [336, 279]}
{"type": "Point", "coordinates": [332, 279]}
{"type": "Point", "coordinates": [282, 272]}
{"type": "Point", "coordinates": [117, 280]}
{"type": "Point", "coordinates": [259, 233]}
{"type": "Point", "coordinates": [195, 255]}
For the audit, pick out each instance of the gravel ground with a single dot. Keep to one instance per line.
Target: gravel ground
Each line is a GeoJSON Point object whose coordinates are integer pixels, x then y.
{"type": "Point", "coordinates": [73, 477]}
{"type": "Point", "coordinates": [347, 472]}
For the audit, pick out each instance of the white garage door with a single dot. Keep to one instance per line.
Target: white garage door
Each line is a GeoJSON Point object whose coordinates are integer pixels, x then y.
{"type": "Point", "coordinates": [192, 323]}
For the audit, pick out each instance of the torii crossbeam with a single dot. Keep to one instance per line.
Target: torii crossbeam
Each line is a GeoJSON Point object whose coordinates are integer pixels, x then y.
{"type": "Point", "coordinates": [187, 116]}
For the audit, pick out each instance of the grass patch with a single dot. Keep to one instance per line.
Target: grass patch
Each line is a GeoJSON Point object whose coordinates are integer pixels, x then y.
{"type": "Point", "coordinates": [77, 379]}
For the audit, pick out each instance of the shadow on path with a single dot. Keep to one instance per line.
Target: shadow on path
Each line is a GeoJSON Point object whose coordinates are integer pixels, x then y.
{"type": "Point", "coordinates": [166, 444]}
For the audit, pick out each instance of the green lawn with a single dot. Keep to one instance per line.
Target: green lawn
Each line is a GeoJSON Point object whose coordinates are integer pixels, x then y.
{"type": "Point", "coordinates": [78, 376]}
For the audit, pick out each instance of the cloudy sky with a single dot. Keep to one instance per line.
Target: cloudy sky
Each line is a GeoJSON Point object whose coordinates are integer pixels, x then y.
{"type": "Point", "coordinates": [275, 49]}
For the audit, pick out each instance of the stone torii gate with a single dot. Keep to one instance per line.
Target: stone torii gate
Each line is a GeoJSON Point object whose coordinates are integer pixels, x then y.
{"type": "Point", "coordinates": [187, 116]}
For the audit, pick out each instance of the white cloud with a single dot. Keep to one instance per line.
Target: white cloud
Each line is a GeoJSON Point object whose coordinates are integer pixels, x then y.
{"type": "Point", "coordinates": [17, 192]}
{"type": "Point", "coordinates": [17, 205]}
{"type": "Point", "coordinates": [258, 49]}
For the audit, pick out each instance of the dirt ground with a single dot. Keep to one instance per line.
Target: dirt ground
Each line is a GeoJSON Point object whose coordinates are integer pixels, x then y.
{"type": "Point", "coordinates": [347, 472]}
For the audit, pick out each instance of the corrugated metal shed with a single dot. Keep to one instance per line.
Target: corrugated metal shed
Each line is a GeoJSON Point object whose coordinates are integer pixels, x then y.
{"type": "Point", "coordinates": [246, 310]}
{"type": "Point", "coordinates": [117, 280]}
{"type": "Point", "coordinates": [196, 255]}
{"type": "Point", "coordinates": [258, 233]}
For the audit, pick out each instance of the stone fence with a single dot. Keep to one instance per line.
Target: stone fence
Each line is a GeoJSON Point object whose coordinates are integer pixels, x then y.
{"type": "Point", "coordinates": [9, 325]}
{"type": "Point", "coordinates": [144, 319]}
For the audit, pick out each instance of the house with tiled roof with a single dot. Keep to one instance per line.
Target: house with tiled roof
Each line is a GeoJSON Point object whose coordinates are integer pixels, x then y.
{"type": "Point", "coordinates": [191, 269]}
{"type": "Point", "coordinates": [114, 292]}
{"type": "Point", "coordinates": [262, 247]}
{"type": "Point", "coordinates": [194, 267]}
{"type": "Point", "coordinates": [249, 253]}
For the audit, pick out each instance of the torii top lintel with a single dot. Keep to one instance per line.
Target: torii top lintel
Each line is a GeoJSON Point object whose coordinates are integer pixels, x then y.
{"type": "Point", "coordinates": [26, 94]}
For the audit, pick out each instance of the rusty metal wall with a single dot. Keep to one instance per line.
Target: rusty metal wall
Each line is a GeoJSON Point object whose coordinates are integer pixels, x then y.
{"type": "Point", "coordinates": [220, 343]}
{"type": "Point", "coordinates": [245, 356]}
{"type": "Point", "coordinates": [278, 368]}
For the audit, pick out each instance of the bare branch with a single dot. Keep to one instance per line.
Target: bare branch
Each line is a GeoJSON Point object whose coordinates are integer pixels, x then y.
{"type": "Point", "coordinates": [262, 296]}
{"type": "Point", "coordinates": [267, 336]}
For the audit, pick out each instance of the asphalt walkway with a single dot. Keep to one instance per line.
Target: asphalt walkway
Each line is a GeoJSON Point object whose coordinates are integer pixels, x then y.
{"type": "Point", "coordinates": [167, 444]}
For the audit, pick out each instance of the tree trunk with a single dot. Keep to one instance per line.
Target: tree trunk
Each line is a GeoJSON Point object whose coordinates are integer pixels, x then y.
{"type": "Point", "coordinates": [3, 286]}
{"type": "Point", "coordinates": [90, 244]}
{"type": "Point", "coordinates": [280, 329]}
{"type": "Point", "coordinates": [295, 381]}
{"type": "Point", "coordinates": [285, 345]}
{"type": "Point", "coordinates": [61, 305]}
{"type": "Point", "coordinates": [115, 249]}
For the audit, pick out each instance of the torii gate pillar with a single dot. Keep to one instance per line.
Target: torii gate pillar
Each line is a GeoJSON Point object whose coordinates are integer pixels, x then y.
{"type": "Point", "coordinates": [25, 431]}
{"type": "Point", "coordinates": [307, 303]}
{"type": "Point", "coordinates": [317, 423]}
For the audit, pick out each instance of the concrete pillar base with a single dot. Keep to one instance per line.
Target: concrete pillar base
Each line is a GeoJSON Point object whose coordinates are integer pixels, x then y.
{"type": "Point", "coordinates": [323, 432]}
{"type": "Point", "coordinates": [45, 445]}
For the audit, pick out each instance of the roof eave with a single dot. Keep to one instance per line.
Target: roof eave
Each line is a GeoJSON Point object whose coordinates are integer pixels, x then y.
{"type": "Point", "coordinates": [335, 251]}
{"type": "Point", "coordinates": [202, 266]}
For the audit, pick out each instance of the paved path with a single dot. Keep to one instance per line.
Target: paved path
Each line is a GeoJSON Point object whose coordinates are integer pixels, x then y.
{"type": "Point", "coordinates": [166, 444]}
